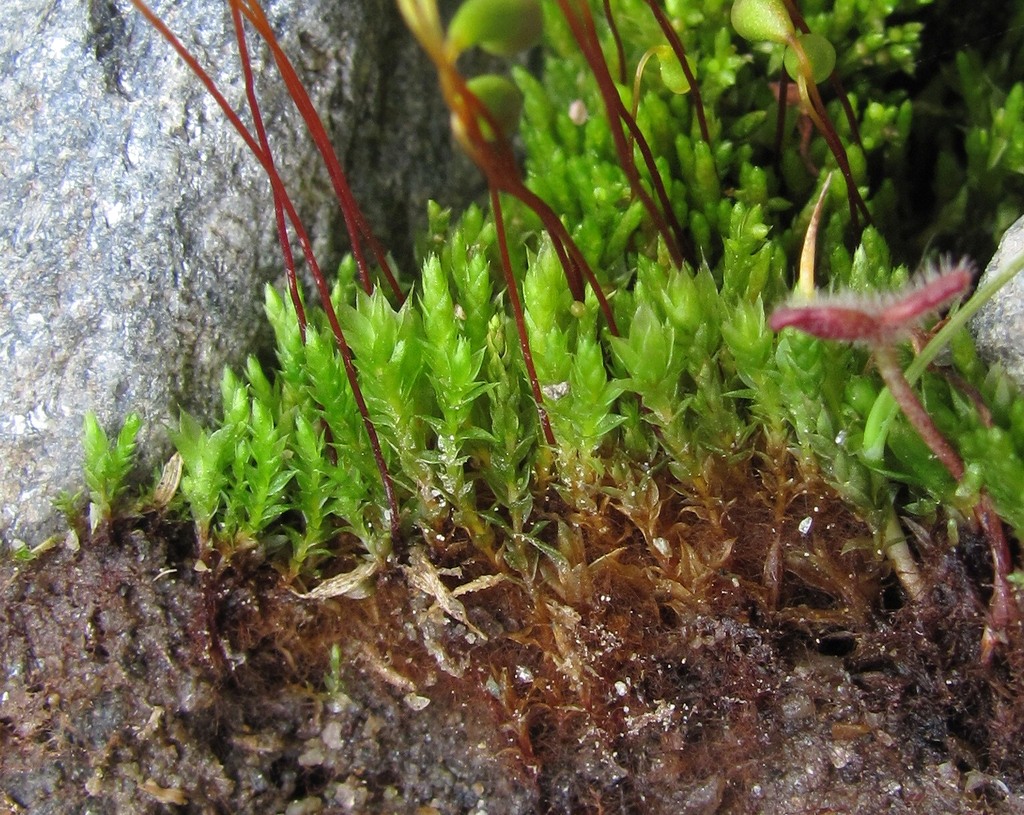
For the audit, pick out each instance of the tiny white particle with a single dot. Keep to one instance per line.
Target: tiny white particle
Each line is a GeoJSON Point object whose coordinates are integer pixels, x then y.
{"type": "Point", "coordinates": [578, 113]}
{"type": "Point", "coordinates": [556, 391]}
{"type": "Point", "coordinates": [415, 701]}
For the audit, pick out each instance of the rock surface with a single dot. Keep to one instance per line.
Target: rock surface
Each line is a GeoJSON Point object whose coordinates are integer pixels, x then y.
{"type": "Point", "coordinates": [137, 231]}
{"type": "Point", "coordinates": [999, 326]}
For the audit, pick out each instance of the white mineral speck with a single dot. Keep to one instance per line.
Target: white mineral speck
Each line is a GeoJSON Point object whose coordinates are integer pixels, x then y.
{"type": "Point", "coordinates": [415, 702]}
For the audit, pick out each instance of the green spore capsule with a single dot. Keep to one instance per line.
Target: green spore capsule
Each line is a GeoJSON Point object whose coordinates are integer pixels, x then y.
{"type": "Point", "coordinates": [499, 27]}
{"type": "Point", "coordinates": [820, 54]}
{"type": "Point", "coordinates": [501, 97]}
{"type": "Point", "coordinates": [762, 20]}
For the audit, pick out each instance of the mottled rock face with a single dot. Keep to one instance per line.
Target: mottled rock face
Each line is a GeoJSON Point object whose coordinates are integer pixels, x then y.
{"type": "Point", "coordinates": [999, 327]}
{"type": "Point", "coordinates": [135, 229]}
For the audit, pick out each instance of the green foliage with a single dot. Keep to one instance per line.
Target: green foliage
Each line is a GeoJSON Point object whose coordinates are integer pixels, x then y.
{"type": "Point", "coordinates": [107, 464]}
{"type": "Point", "coordinates": [206, 458]}
{"type": "Point", "coordinates": [694, 381]}
{"type": "Point", "coordinates": [762, 20]}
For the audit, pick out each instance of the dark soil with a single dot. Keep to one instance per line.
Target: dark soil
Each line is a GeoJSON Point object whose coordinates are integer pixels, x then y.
{"type": "Point", "coordinates": [135, 684]}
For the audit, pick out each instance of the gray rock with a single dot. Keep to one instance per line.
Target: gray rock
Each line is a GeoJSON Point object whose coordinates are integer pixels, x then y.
{"type": "Point", "coordinates": [999, 327]}
{"type": "Point", "coordinates": [135, 228]}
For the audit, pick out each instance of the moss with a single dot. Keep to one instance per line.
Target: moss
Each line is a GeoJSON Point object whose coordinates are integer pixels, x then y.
{"type": "Point", "coordinates": [603, 460]}
{"type": "Point", "coordinates": [694, 384]}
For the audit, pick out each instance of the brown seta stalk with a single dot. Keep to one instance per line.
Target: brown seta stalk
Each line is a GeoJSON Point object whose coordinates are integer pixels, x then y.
{"type": "Point", "coordinates": [677, 241]}
{"type": "Point", "coordinates": [354, 219]}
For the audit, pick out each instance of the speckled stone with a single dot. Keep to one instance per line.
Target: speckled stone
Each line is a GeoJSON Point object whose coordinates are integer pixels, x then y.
{"type": "Point", "coordinates": [135, 229]}
{"type": "Point", "coordinates": [999, 327]}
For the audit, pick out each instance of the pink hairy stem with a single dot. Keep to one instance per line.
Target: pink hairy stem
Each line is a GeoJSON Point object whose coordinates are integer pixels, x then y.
{"type": "Point", "coordinates": [879, 324]}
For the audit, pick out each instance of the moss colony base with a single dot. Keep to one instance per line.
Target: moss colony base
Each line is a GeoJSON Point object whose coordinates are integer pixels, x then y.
{"type": "Point", "coordinates": [644, 554]}
{"type": "Point", "coordinates": [136, 683]}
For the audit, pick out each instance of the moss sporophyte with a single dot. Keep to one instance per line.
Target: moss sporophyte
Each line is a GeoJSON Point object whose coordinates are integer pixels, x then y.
{"type": "Point", "coordinates": [583, 384]}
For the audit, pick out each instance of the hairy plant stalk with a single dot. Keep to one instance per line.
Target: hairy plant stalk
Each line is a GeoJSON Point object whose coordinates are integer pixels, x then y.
{"type": "Point", "coordinates": [1002, 610]}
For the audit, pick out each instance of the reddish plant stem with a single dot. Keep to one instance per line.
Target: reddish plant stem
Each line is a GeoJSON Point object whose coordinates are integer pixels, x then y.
{"type": "Point", "coordinates": [892, 375]}
{"type": "Point", "coordinates": [281, 194]}
{"type": "Point", "coordinates": [261, 133]}
{"type": "Point", "coordinates": [564, 244]}
{"type": "Point", "coordinates": [1002, 610]}
{"type": "Point", "coordinates": [581, 24]}
{"type": "Point", "coordinates": [834, 80]}
{"type": "Point", "coordinates": [828, 132]}
{"type": "Point", "coordinates": [520, 320]}
{"type": "Point", "coordinates": [355, 222]}
{"type": "Point", "coordinates": [680, 52]}
{"type": "Point", "coordinates": [496, 161]}
{"type": "Point", "coordinates": [620, 51]}
{"type": "Point", "coordinates": [780, 118]}
{"type": "Point", "coordinates": [819, 115]}
{"type": "Point", "coordinates": [1002, 607]}
{"type": "Point", "coordinates": [494, 157]}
